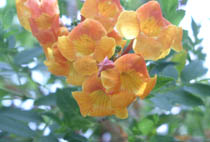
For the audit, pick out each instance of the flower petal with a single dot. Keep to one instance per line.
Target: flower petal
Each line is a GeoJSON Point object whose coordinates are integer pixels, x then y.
{"type": "Point", "coordinates": [150, 85]}
{"type": "Point", "coordinates": [85, 36]}
{"type": "Point", "coordinates": [101, 104]}
{"type": "Point", "coordinates": [128, 27]}
{"type": "Point", "coordinates": [23, 14]}
{"type": "Point", "coordinates": [132, 62]}
{"type": "Point", "coordinates": [92, 83]}
{"type": "Point", "coordinates": [118, 39]}
{"type": "Point", "coordinates": [121, 113]}
{"type": "Point", "coordinates": [83, 100]}
{"type": "Point", "coordinates": [74, 77]}
{"type": "Point", "coordinates": [105, 48]}
{"type": "Point", "coordinates": [104, 11]}
{"type": "Point", "coordinates": [111, 80]}
{"type": "Point", "coordinates": [151, 19]}
{"type": "Point", "coordinates": [150, 48]}
{"type": "Point", "coordinates": [132, 82]}
{"type": "Point", "coordinates": [85, 66]}
{"type": "Point", "coordinates": [66, 48]}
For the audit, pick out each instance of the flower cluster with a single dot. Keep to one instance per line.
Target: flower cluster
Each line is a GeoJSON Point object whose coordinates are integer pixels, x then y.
{"type": "Point", "coordinates": [89, 55]}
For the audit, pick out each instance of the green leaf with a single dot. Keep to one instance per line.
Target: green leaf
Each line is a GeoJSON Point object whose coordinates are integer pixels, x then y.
{"type": "Point", "coordinates": [170, 71]}
{"type": "Point", "coordinates": [146, 126]}
{"type": "Point", "coordinates": [70, 109]}
{"type": "Point", "coordinates": [195, 29]}
{"type": "Point", "coordinates": [27, 55]}
{"type": "Point", "coordinates": [159, 138]}
{"type": "Point", "coordinates": [176, 97]}
{"type": "Point", "coordinates": [46, 100]}
{"type": "Point", "coordinates": [8, 17]}
{"type": "Point", "coordinates": [162, 81]}
{"type": "Point", "coordinates": [50, 138]}
{"type": "Point", "coordinates": [198, 89]}
{"type": "Point", "coordinates": [171, 12]}
{"type": "Point", "coordinates": [193, 70]}
{"type": "Point", "coordinates": [17, 114]}
{"type": "Point", "coordinates": [180, 59]}
{"type": "Point", "coordinates": [74, 137]}
{"type": "Point", "coordinates": [14, 126]}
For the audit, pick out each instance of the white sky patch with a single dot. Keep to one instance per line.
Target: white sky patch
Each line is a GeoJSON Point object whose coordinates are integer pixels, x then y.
{"type": "Point", "coordinates": [162, 129]}
{"type": "Point", "coordinates": [3, 3]}
{"type": "Point", "coordinates": [27, 104]}
{"type": "Point", "coordinates": [175, 110]}
{"type": "Point", "coordinates": [32, 126]}
{"type": "Point", "coordinates": [6, 101]}
{"type": "Point", "coordinates": [200, 12]}
{"type": "Point", "coordinates": [40, 77]}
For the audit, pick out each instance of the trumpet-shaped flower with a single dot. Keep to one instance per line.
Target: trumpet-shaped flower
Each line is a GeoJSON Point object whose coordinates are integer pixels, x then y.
{"type": "Point", "coordinates": [87, 39]}
{"type": "Point", "coordinates": [86, 46]}
{"type": "Point", "coordinates": [41, 17]}
{"type": "Point", "coordinates": [56, 63]}
{"type": "Point", "coordinates": [94, 101]}
{"type": "Point", "coordinates": [23, 13]}
{"type": "Point", "coordinates": [129, 75]}
{"type": "Point", "coordinates": [154, 35]}
{"type": "Point", "coordinates": [105, 11]}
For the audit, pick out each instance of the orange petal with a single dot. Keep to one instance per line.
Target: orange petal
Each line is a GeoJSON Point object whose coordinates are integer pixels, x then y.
{"type": "Point", "coordinates": [177, 42]}
{"type": "Point", "coordinates": [128, 27]}
{"type": "Point", "coordinates": [150, 85]}
{"type": "Point", "coordinates": [151, 19]}
{"type": "Point", "coordinates": [23, 14]}
{"type": "Point", "coordinates": [125, 99]}
{"type": "Point", "coordinates": [150, 48]}
{"type": "Point", "coordinates": [131, 62]}
{"type": "Point", "coordinates": [85, 66]}
{"type": "Point", "coordinates": [111, 80]}
{"type": "Point", "coordinates": [121, 113]}
{"type": "Point", "coordinates": [118, 39]}
{"type": "Point", "coordinates": [74, 77]}
{"type": "Point", "coordinates": [85, 36]}
{"type": "Point", "coordinates": [92, 83]}
{"type": "Point", "coordinates": [83, 100]}
{"type": "Point", "coordinates": [104, 11]}
{"type": "Point", "coordinates": [132, 82]}
{"type": "Point", "coordinates": [56, 64]}
{"type": "Point", "coordinates": [101, 104]}
{"type": "Point", "coordinates": [105, 48]}
{"type": "Point", "coordinates": [66, 48]}
{"type": "Point", "coordinates": [89, 8]}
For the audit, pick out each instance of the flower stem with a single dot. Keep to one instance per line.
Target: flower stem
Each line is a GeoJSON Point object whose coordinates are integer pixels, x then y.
{"type": "Point", "coordinates": [127, 50]}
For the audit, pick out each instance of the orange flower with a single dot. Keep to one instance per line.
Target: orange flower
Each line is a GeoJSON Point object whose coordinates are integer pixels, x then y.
{"type": "Point", "coordinates": [105, 11]}
{"type": "Point", "coordinates": [129, 75]}
{"type": "Point", "coordinates": [154, 36]}
{"type": "Point", "coordinates": [86, 46]}
{"type": "Point", "coordinates": [94, 101]}
{"type": "Point", "coordinates": [23, 13]}
{"type": "Point", "coordinates": [41, 17]}
{"type": "Point", "coordinates": [56, 63]}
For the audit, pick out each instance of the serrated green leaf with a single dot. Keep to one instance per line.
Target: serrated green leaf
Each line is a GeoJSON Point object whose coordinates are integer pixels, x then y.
{"type": "Point", "coordinates": [26, 56]}
{"type": "Point", "coordinates": [49, 138]}
{"type": "Point", "coordinates": [180, 59]}
{"type": "Point", "coordinates": [146, 126]}
{"type": "Point", "coordinates": [74, 137]}
{"type": "Point", "coordinates": [16, 127]}
{"type": "Point", "coordinates": [176, 97]}
{"type": "Point", "coordinates": [159, 138]}
{"type": "Point", "coordinates": [193, 70]}
{"type": "Point", "coordinates": [162, 81]}
{"type": "Point", "coordinates": [46, 100]}
{"type": "Point", "coordinates": [198, 89]}
{"type": "Point", "coordinates": [17, 114]}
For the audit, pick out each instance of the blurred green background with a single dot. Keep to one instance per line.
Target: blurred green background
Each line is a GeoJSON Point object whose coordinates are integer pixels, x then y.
{"type": "Point", "coordinates": [36, 106]}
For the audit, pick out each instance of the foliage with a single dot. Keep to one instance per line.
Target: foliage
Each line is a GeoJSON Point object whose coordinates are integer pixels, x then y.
{"type": "Point", "coordinates": [180, 84]}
